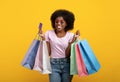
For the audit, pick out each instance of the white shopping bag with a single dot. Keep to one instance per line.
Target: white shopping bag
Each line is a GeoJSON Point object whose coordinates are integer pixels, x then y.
{"type": "Point", "coordinates": [42, 61]}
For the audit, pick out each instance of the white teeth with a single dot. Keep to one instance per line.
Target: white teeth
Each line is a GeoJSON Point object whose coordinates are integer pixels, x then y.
{"type": "Point", "coordinates": [59, 27]}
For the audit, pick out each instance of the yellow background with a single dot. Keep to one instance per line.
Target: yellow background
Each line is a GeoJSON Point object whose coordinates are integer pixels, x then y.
{"type": "Point", "coordinates": [97, 20]}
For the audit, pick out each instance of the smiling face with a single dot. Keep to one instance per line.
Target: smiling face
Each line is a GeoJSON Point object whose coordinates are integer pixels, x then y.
{"type": "Point", "coordinates": [60, 24]}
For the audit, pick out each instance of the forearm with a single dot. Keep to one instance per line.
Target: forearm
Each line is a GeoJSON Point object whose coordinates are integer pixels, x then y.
{"type": "Point", "coordinates": [48, 46]}
{"type": "Point", "coordinates": [67, 51]}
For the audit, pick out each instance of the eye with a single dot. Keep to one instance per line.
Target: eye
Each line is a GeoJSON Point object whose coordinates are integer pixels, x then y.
{"type": "Point", "coordinates": [56, 21]}
{"type": "Point", "coordinates": [62, 22]}
{"type": "Point", "coordinates": [59, 21]}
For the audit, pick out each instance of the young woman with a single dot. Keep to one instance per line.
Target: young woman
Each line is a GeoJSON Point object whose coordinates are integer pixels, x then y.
{"type": "Point", "coordinates": [59, 41]}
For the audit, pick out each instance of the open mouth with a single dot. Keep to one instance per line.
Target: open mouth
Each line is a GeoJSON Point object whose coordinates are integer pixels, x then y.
{"type": "Point", "coordinates": [59, 27]}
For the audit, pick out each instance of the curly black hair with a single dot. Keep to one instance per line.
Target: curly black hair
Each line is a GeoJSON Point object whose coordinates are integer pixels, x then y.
{"type": "Point", "coordinates": [68, 16]}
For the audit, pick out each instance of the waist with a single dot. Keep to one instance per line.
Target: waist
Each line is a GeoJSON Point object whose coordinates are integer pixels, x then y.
{"type": "Point", "coordinates": [60, 59]}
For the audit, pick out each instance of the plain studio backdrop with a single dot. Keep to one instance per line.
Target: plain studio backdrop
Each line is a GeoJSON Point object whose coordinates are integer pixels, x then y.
{"type": "Point", "coordinates": [97, 20]}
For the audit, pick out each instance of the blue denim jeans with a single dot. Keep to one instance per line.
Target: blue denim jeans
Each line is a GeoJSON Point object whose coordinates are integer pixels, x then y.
{"type": "Point", "coordinates": [60, 70]}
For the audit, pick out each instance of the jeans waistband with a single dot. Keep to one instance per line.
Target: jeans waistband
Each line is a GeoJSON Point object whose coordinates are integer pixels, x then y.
{"type": "Point", "coordinates": [60, 59]}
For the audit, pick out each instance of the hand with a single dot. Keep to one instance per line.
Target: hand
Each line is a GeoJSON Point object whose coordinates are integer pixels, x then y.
{"type": "Point", "coordinates": [40, 32]}
{"type": "Point", "coordinates": [77, 34]}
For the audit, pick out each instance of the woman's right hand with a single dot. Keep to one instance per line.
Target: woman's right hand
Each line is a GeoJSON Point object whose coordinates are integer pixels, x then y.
{"type": "Point", "coordinates": [40, 32]}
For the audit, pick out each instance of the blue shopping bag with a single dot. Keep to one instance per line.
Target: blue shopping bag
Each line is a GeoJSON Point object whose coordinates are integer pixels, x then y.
{"type": "Point", "coordinates": [29, 58]}
{"type": "Point", "coordinates": [89, 58]}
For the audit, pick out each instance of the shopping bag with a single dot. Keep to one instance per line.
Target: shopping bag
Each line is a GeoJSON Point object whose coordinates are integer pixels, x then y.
{"type": "Point", "coordinates": [82, 71]}
{"type": "Point", "coordinates": [42, 61]}
{"type": "Point", "coordinates": [39, 58]}
{"type": "Point", "coordinates": [89, 57]}
{"type": "Point", "coordinates": [29, 58]}
{"type": "Point", "coordinates": [73, 66]}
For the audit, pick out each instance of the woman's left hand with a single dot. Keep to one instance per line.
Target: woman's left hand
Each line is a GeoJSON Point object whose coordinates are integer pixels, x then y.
{"type": "Point", "coordinates": [76, 35]}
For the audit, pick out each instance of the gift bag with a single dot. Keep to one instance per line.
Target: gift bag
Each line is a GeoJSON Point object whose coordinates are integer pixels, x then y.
{"type": "Point", "coordinates": [42, 61]}
{"type": "Point", "coordinates": [89, 57]}
{"type": "Point", "coordinates": [29, 58]}
{"type": "Point", "coordinates": [82, 71]}
{"type": "Point", "coordinates": [73, 66]}
{"type": "Point", "coordinates": [39, 58]}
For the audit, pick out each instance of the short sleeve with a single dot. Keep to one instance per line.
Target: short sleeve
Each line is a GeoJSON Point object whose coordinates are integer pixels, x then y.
{"type": "Point", "coordinates": [70, 36]}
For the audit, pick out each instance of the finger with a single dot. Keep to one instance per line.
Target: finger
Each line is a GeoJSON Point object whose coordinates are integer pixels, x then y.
{"type": "Point", "coordinates": [78, 32]}
{"type": "Point", "coordinates": [40, 26]}
{"type": "Point", "coordinates": [76, 36]}
{"type": "Point", "coordinates": [40, 31]}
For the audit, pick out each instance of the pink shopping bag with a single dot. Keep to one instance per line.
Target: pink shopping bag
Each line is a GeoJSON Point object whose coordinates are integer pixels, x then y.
{"type": "Point", "coordinates": [42, 61]}
{"type": "Point", "coordinates": [80, 63]}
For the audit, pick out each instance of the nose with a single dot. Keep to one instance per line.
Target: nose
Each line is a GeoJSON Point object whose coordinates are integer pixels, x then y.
{"type": "Point", "coordinates": [59, 23]}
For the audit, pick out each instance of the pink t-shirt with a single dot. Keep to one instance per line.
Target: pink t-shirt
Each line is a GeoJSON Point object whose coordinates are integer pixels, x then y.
{"type": "Point", "coordinates": [58, 45]}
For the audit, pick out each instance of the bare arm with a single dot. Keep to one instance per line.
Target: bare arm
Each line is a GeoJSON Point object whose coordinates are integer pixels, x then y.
{"type": "Point", "coordinates": [67, 51]}
{"type": "Point", "coordinates": [43, 38]}
{"type": "Point", "coordinates": [49, 50]}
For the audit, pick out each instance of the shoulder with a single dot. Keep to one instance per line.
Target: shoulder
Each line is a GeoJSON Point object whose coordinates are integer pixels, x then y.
{"type": "Point", "coordinates": [49, 32]}
{"type": "Point", "coordinates": [70, 34]}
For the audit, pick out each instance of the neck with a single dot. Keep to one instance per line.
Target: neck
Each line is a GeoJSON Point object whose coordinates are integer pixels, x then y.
{"type": "Point", "coordinates": [60, 33]}
{"type": "Point", "coordinates": [57, 32]}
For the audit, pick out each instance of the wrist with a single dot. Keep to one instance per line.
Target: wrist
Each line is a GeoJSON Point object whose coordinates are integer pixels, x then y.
{"type": "Point", "coordinates": [71, 42]}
